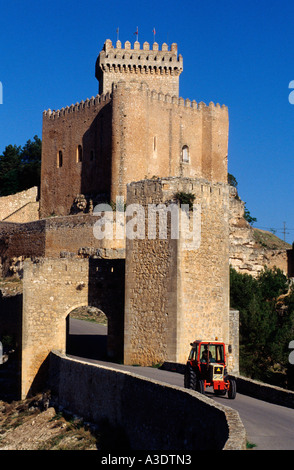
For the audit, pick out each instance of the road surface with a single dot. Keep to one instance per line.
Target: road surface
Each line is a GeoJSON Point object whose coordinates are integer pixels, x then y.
{"type": "Point", "coordinates": [268, 426]}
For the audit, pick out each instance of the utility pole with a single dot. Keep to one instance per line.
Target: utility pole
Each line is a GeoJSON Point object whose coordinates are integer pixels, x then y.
{"type": "Point", "coordinates": [284, 232]}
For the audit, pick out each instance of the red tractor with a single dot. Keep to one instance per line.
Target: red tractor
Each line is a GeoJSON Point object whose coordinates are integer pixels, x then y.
{"type": "Point", "coordinates": [206, 367]}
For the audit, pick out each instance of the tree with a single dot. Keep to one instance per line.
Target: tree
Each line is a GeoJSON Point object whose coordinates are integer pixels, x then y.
{"type": "Point", "coordinates": [10, 163]}
{"type": "Point", "coordinates": [20, 167]}
{"type": "Point", "coordinates": [248, 216]}
{"type": "Point", "coordinates": [31, 164]}
{"type": "Point", "coordinates": [232, 180]}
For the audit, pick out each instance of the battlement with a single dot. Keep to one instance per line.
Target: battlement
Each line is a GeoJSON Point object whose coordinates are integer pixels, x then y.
{"type": "Point", "coordinates": [81, 106]}
{"type": "Point", "coordinates": [177, 101]}
{"type": "Point", "coordinates": [150, 62]}
{"type": "Point", "coordinates": [152, 96]}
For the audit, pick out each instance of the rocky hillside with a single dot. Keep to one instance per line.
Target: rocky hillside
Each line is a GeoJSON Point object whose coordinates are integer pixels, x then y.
{"type": "Point", "coordinates": [252, 249]}
{"type": "Point", "coordinates": [33, 424]}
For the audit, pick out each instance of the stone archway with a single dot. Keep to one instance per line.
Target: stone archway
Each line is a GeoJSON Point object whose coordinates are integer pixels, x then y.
{"type": "Point", "coordinates": [52, 288]}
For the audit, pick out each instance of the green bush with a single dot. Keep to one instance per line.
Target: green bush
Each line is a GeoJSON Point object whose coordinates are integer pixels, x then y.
{"type": "Point", "coordinates": [185, 198]}
{"type": "Point", "coordinates": [266, 324]}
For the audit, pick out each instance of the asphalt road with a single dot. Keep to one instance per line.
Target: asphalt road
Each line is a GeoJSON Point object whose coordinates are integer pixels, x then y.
{"type": "Point", "coordinates": [268, 426]}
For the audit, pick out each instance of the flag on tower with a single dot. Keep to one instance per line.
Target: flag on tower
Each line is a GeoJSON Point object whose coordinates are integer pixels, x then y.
{"type": "Point", "coordinates": [137, 33]}
{"type": "Point", "coordinates": [154, 32]}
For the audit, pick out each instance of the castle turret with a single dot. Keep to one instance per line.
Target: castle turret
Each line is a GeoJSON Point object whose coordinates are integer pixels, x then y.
{"type": "Point", "coordinates": [158, 68]}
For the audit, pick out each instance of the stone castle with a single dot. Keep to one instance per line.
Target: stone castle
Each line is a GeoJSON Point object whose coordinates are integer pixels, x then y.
{"type": "Point", "coordinates": [136, 128]}
{"type": "Point", "coordinates": [140, 140]}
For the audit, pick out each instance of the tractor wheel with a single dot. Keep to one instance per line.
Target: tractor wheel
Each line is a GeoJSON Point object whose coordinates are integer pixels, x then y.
{"type": "Point", "coordinates": [193, 379]}
{"type": "Point", "coordinates": [187, 377]}
{"type": "Point", "coordinates": [200, 386]}
{"type": "Point", "coordinates": [190, 378]}
{"type": "Point", "coordinates": [232, 389]}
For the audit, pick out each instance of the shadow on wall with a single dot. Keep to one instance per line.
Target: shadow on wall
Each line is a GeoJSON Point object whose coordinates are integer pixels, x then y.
{"type": "Point", "coordinates": [95, 156]}
{"type": "Point", "coordinates": [85, 337]}
{"type": "Point", "coordinates": [107, 293]}
{"type": "Point", "coordinates": [87, 346]}
{"type": "Point", "coordinates": [11, 339]}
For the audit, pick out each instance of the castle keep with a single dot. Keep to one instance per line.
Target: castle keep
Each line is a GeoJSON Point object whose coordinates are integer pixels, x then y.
{"type": "Point", "coordinates": [136, 128]}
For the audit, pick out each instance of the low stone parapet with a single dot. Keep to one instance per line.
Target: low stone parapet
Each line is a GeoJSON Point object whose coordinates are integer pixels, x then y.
{"type": "Point", "coordinates": [265, 392]}
{"type": "Point", "coordinates": [151, 415]}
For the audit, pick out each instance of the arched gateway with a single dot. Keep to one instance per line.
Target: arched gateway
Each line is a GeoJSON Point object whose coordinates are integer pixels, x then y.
{"type": "Point", "coordinates": [54, 287]}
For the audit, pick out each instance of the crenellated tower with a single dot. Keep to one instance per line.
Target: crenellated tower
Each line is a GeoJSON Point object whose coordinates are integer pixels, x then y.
{"type": "Point", "coordinates": [158, 68]}
{"type": "Point", "coordinates": [138, 127]}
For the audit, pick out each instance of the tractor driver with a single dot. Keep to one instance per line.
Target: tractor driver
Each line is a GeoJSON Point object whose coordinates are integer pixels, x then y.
{"type": "Point", "coordinates": [204, 356]}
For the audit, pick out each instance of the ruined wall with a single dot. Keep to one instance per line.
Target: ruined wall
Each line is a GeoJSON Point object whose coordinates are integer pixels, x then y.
{"type": "Point", "coordinates": [20, 207]}
{"type": "Point", "coordinates": [176, 292]}
{"type": "Point", "coordinates": [75, 235]}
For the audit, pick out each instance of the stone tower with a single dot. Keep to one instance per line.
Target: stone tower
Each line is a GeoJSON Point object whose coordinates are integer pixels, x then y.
{"type": "Point", "coordinates": [159, 69]}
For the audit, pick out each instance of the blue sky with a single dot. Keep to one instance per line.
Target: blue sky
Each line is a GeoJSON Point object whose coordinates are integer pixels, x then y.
{"type": "Point", "coordinates": [237, 53]}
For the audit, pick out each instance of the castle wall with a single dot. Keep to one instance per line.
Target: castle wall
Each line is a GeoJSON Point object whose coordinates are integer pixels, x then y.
{"type": "Point", "coordinates": [55, 237]}
{"type": "Point", "coordinates": [75, 234]}
{"type": "Point", "coordinates": [27, 213]}
{"type": "Point", "coordinates": [176, 292]}
{"type": "Point", "coordinates": [63, 177]}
